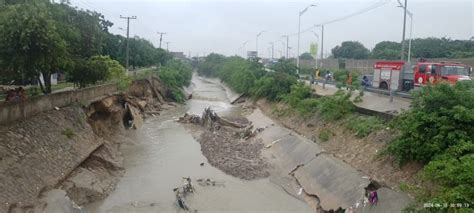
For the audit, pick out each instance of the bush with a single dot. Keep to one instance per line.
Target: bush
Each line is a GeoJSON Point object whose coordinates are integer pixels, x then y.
{"type": "Point", "coordinates": [175, 75]}
{"type": "Point", "coordinates": [325, 135]}
{"type": "Point", "coordinates": [69, 133]}
{"type": "Point", "coordinates": [455, 176]}
{"type": "Point", "coordinates": [273, 87]}
{"type": "Point", "coordinates": [362, 126]}
{"type": "Point", "coordinates": [307, 106]}
{"type": "Point", "coordinates": [298, 92]}
{"type": "Point", "coordinates": [438, 131]}
{"type": "Point", "coordinates": [441, 118]}
{"type": "Point", "coordinates": [336, 106]}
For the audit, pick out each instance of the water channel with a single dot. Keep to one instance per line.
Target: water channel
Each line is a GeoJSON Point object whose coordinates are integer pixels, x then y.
{"type": "Point", "coordinates": [164, 152]}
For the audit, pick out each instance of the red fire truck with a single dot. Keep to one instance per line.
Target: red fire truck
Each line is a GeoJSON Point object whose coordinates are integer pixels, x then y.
{"type": "Point", "coordinates": [402, 76]}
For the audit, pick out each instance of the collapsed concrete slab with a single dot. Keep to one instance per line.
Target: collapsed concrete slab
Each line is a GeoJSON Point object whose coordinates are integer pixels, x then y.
{"type": "Point", "coordinates": [337, 184]}
{"type": "Point", "coordinates": [293, 153]}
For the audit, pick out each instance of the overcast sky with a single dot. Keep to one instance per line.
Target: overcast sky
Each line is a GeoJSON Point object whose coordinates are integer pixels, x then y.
{"type": "Point", "coordinates": [203, 26]}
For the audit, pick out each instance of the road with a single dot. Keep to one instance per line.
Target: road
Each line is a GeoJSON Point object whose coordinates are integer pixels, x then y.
{"type": "Point", "coordinates": [371, 101]}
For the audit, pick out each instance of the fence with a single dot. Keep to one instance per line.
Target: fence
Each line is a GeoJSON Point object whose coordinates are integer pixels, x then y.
{"type": "Point", "coordinates": [11, 111]}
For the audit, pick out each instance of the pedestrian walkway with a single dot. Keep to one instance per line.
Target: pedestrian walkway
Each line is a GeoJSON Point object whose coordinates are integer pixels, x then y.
{"type": "Point", "coordinates": [371, 101]}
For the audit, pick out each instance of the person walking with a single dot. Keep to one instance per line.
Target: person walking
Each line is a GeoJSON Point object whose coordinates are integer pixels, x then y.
{"type": "Point", "coordinates": [373, 198]}
{"type": "Point", "coordinates": [349, 80]}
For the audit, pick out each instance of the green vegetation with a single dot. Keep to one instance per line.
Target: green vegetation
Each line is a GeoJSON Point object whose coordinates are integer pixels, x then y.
{"type": "Point", "coordinates": [249, 76]}
{"type": "Point", "coordinates": [176, 74]}
{"type": "Point", "coordinates": [274, 86]}
{"type": "Point", "coordinates": [337, 106]}
{"type": "Point", "coordinates": [362, 126]}
{"type": "Point", "coordinates": [351, 49]}
{"type": "Point", "coordinates": [69, 133]}
{"type": "Point", "coordinates": [30, 44]}
{"type": "Point", "coordinates": [325, 135]}
{"type": "Point", "coordinates": [421, 48]}
{"type": "Point", "coordinates": [438, 132]}
{"type": "Point", "coordinates": [39, 38]}
{"type": "Point", "coordinates": [297, 94]}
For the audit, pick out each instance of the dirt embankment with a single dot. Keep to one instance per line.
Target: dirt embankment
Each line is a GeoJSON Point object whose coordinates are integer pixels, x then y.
{"type": "Point", "coordinates": [361, 153]}
{"type": "Point", "coordinates": [229, 145]}
{"type": "Point", "coordinates": [75, 148]}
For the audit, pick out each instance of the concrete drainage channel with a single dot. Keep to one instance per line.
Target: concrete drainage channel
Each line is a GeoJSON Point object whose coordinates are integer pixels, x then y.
{"type": "Point", "coordinates": [331, 184]}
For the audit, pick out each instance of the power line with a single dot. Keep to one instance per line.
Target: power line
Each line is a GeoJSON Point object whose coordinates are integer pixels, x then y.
{"type": "Point", "coordinates": [87, 5]}
{"type": "Point", "coordinates": [360, 12]}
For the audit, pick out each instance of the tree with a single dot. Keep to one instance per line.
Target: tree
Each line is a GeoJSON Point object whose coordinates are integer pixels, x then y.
{"type": "Point", "coordinates": [387, 50]}
{"type": "Point", "coordinates": [30, 44]}
{"type": "Point", "coordinates": [285, 66]}
{"type": "Point", "coordinates": [306, 56]}
{"type": "Point", "coordinates": [85, 31]}
{"type": "Point", "coordinates": [90, 71]}
{"type": "Point", "coordinates": [351, 50]}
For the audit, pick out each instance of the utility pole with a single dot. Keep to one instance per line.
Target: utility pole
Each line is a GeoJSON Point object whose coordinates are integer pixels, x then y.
{"type": "Point", "coordinates": [128, 33]}
{"type": "Point", "coordinates": [167, 46]}
{"type": "Point", "coordinates": [322, 45]}
{"type": "Point", "coordinates": [402, 54]}
{"type": "Point", "coordinates": [287, 47]}
{"type": "Point", "coordinates": [161, 37]}
{"type": "Point", "coordinates": [410, 14]}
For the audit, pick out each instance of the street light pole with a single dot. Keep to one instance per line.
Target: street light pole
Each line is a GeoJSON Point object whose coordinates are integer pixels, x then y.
{"type": "Point", "coordinates": [409, 42]}
{"type": "Point", "coordinates": [402, 54]}
{"type": "Point", "coordinates": [243, 48]}
{"type": "Point", "coordinates": [410, 14]}
{"type": "Point", "coordinates": [256, 41]}
{"type": "Point", "coordinates": [167, 46]}
{"type": "Point", "coordinates": [299, 32]}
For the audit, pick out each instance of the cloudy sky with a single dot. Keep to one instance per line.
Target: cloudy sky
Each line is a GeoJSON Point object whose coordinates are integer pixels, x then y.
{"type": "Point", "coordinates": [200, 27]}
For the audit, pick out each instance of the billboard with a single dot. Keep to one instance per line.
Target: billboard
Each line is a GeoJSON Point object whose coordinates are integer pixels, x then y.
{"type": "Point", "coordinates": [251, 54]}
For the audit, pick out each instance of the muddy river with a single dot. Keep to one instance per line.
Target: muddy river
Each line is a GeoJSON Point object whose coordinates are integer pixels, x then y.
{"type": "Point", "coordinates": [165, 151]}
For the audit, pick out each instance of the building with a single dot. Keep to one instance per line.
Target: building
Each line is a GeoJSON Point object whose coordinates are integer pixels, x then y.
{"type": "Point", "coordinates": [178, 55]}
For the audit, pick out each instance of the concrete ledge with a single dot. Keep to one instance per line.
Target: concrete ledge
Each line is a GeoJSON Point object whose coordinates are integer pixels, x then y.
{"type": "Point", "coordinates": [12, 111]}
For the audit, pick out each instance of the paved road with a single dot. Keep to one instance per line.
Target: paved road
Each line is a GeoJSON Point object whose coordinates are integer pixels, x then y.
{"type": "Point", "coordinates": [371, 101]}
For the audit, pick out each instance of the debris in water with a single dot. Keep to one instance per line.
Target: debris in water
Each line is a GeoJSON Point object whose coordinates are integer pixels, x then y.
{"type": "Point", "coordinates": [56, 108]}
{"type": "Point", "coordinates": [300, 191]}
{"type": "Point", "coordinates": [202, 164]}
{"type": "Point", "coordinates": [209, 182]}
{"type": "Point", "coordinates": [183, 191]}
